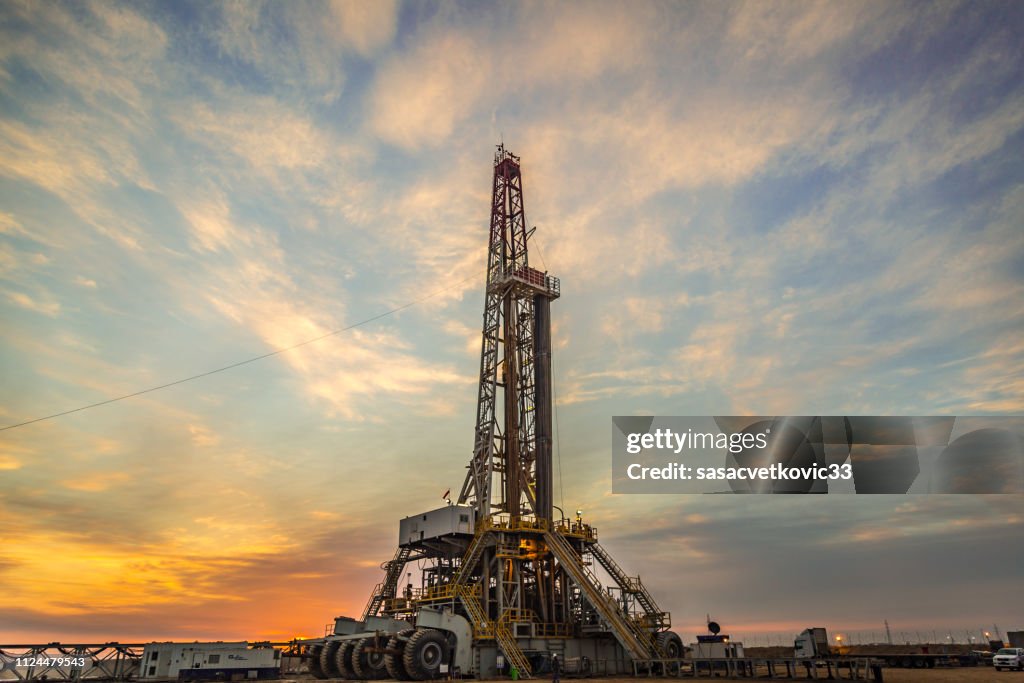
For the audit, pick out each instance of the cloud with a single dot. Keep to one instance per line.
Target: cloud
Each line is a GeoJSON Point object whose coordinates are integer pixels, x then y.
{"type": "Point", "coordinates": [797, 34]}
{"type": "Point", "coordinates": [293, 47]}
{"type": "Point", "coordinates": [421, 96]}
{"type": "Point", "coordinates": [203, 436]}
{"type": "Point", "coordinates": [97, 483]}
{"type": "Point", "coordinates": [253, 289]}
{"type": "Point", "coordinates": [366, 27]}
{"type": "Point", "coordinates": [268, 136]}
{"type": "Point", "coordinates": [102, 52]}
{"type": "Point", "coordinates": [49, 308]}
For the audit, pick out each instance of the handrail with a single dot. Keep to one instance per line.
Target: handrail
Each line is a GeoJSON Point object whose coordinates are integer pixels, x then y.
{"type": "Point", "coordinates": [656, 618]}
{"type": "Point", "coordinates": [485, 629]}
{"type": "Point", "coordinates": [634, 638]}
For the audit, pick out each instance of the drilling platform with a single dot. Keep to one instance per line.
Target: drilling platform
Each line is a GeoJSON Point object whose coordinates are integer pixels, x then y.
{"type": "Point", "coordinates": [505, 584]}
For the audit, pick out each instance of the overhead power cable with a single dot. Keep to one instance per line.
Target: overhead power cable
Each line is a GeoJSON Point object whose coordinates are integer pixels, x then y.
{"type": "Point", "coordinates": [240, 363]}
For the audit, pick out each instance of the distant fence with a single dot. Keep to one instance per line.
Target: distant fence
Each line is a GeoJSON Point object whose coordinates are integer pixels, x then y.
{"type": "Point", "coordinates": [854, 669]}
{"type": "Point", "coordinates": [96, 662]}
{"type": "Point", "coordinates": [57, 662]}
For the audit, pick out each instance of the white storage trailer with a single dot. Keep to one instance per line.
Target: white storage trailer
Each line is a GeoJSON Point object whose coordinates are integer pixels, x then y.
{"type": "Point", "coordinates": [220, 661]}
{"type": "Point", "coordinates": [722, 649]}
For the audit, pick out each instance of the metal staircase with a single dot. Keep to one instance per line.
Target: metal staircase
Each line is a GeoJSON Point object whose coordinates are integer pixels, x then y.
{"type": "Point", "coordinates": [655, 617]}
{"type": "Point", "coordinates": [386, 588]}
{"type": "Point", "coordinates": [473, 553]}
{"type": "Point", "coordinates": [483, 628]}
{"type": "Point", "coordinates": [633, 637]}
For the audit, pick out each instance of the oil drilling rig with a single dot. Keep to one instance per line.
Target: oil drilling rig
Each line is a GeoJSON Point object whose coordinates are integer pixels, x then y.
{"type": "Point", "coordinates": [505, 583]}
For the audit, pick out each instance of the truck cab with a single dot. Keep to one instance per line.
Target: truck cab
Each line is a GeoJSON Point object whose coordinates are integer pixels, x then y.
{"type": "Point", "coordinates": [812, 642]}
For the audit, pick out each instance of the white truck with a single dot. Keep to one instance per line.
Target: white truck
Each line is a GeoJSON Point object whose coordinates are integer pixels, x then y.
{"type": "Point", "coordinates": [1009, 658]}
{"type": "Point", "coordinates": [812, 642]}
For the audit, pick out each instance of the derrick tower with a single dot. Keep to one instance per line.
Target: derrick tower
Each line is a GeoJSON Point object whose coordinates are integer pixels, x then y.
{"type": "Point", "coordinates": [510, 471]}
{"type": "Point", "coordinates": [503, 581]}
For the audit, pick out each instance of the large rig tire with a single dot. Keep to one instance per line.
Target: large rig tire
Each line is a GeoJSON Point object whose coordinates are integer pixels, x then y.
{"type": "Point", "coordinates": [343, 659]}
{"type": "Point", "coordinates": [328, 656]}
{"type": "Point", "coordinates": [424, 654]}
{"type": "Point", "coordinates": [671, 645]}
{"type": "Point", "coordinates": [393, 659]}
{"type": "Point", "coordinates": [367, 666]}
{"type": "Point", "coordinates": [314, 661]}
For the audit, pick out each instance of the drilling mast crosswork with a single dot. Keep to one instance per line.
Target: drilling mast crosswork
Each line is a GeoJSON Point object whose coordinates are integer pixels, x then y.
{"type": "Point", "coordinates": [511, 467]}
{"type": "Point", "coordinates": [504, 582]}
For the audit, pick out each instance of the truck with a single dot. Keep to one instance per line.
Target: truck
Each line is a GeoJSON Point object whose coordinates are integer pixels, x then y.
{"type": "Point", "coordinates": [812, 643]}
{"type": "Point", "coordinates": [1009, 658]}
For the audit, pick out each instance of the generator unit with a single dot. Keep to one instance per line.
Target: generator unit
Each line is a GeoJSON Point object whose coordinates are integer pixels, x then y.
{"type": "Point", "coordinates": [217, 661]}
{"type": "Point", "coordinates": [505, 583]}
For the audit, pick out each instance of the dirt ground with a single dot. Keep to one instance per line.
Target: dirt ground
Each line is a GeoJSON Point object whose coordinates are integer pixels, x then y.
{"type": "Point", "coordinates": [952, 675]}
{"type": "Point", "coordinates": [981, 674]}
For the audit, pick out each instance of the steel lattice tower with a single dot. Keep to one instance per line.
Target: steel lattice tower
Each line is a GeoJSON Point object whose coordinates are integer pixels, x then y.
{"type": "Point", "coordinates": [512, 446]}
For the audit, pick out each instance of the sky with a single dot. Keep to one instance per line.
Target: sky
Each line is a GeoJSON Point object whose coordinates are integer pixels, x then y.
{"type": "Point", "coordinates": [765, 209]}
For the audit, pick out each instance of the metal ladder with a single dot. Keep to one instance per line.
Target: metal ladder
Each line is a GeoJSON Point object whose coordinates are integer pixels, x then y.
{"type": "Point", "coordinates": [637, 641]}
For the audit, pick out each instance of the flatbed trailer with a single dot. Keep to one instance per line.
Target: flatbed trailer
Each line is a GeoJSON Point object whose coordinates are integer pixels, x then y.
{"type": "Point", "coordinates": [788, 668]}
{"type": "Point", "coordinates": [926, 660]}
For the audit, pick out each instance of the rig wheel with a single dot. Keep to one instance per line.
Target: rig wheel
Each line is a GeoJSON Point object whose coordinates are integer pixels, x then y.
{"type": "Point", "coordinates": [328, 656]}
{"type": "Point", "coordinates": [424, 654]}
{"type": "Point", "coordinates": [343, 659]}
{"type": "Point", "coordinates": [314, 661]}
{"type": "Point", "coordinates": [367, 666]}
{"type": "Point", "coordinates": [393, 659]}
{"type": "Point", "coordinates": [671, 644]}
{"type": "Point", "coordinates": [672, 647]}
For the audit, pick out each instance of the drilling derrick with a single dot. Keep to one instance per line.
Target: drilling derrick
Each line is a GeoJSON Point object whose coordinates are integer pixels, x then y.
{"type": "Point", "coordinates": [511, 467]}
{"type": "Point", "coordinates": [503, 582]}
